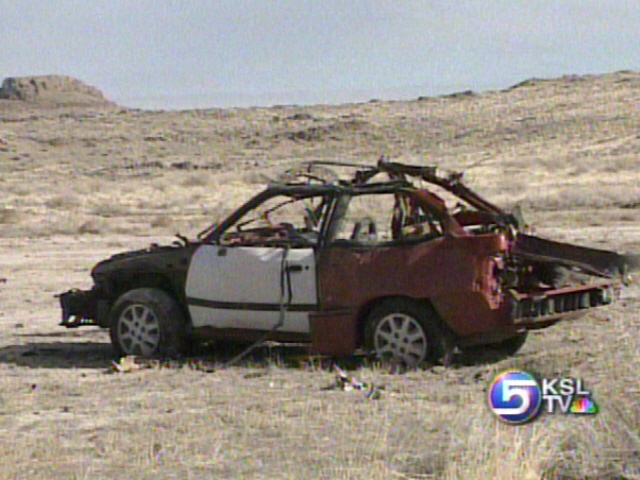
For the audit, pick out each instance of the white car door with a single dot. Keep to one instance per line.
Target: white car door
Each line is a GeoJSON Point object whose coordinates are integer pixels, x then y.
{"type": "Point", "coordinates": [240, 287]}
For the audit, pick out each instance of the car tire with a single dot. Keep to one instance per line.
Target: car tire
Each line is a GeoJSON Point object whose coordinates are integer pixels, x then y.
{"type": "Point", "coordinates": [148, 322]}
{"type": "Point", "coordinates": [405, 332]}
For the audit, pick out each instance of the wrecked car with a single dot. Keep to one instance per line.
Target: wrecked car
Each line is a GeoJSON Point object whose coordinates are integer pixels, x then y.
{"type": "Point", "coordinates": [377, 262]}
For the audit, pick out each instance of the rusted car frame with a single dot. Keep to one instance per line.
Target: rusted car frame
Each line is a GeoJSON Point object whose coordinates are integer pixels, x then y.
{"type": "Point", "coordinates": [434, 280]}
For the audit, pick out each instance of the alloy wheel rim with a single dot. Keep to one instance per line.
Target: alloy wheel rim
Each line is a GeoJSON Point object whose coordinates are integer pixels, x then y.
{"type": "Point", "coordinates": [401, 337]}
{"type": "Point", "coordinates": [138, 330]}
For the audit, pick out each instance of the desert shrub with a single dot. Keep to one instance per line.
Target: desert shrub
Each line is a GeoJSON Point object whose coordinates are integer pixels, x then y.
{"type": "Point", "coordinates": [160, 221]}
{"type": "Point", "coordinates": [93, 227]}
{"type": "Point", "coordinates": [109, 210]}
{"type": "Point", "coordinates": [195, 180]}
{"type": "Point", "coordinates": [63, 202]}
{"type": "Point", "coordinates": [9, 215]}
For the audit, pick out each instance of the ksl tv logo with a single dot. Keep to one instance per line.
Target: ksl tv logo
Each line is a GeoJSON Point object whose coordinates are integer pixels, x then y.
{"type": "Point", "coordinates": [517, 397]}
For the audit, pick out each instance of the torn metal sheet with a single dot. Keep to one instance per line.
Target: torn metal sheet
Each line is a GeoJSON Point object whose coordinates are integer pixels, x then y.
{"type": "Point", "coordinates": [596, 261]}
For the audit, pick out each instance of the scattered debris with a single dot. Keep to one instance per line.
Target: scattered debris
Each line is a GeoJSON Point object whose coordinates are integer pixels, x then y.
{"type": "Point", "coordinates": [347, 383]}
{"type": "Point", "coordinates": [201, 366]}
{"type": "Point", "coordinates": [133, 363]}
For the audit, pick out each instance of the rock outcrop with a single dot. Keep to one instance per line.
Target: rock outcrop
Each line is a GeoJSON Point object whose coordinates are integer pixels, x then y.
{"type": "Point", "coordinates": [54, 89]}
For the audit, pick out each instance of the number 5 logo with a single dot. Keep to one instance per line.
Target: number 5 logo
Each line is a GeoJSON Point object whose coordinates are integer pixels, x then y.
{"type": "Point", "coordinates": [515, 396]}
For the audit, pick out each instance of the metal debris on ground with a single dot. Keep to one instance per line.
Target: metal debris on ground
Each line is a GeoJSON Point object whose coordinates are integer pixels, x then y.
{"type": "Point", "coordinates": [347, 383]}
{"type": "Point", "coordinates": [132, 363]}
{"type": "Point", "coordinates": [201, 366]}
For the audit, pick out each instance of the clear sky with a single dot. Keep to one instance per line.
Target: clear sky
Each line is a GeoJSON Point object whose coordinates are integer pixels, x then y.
{"type": "Point", "coordinates": [207, 53]}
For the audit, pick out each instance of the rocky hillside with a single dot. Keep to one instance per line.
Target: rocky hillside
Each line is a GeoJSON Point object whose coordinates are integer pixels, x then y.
{"type": "Point", "coordinates": [53, 89]}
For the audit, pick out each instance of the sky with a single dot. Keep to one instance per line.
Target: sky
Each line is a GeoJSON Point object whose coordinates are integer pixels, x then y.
{"type": "Point", "coordinates": [173, 54]}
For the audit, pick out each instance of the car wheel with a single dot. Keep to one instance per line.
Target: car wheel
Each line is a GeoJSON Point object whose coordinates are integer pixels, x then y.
{"type": "Point", "coordinates": [405, 332]}
{"type": "Point", "coordinates": [147, 322]}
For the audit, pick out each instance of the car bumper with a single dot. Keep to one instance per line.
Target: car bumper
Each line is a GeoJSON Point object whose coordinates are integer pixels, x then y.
{"type": "Point", "coordinates": [535, 310]}
{"type": "Point", "coordinates": [79, 307]}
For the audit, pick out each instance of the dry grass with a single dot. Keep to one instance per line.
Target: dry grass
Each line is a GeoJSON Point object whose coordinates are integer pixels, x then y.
{"type": "Point", "coordinates": [270, 421]}
{"type": "Point", "coordinates": [567, 150]}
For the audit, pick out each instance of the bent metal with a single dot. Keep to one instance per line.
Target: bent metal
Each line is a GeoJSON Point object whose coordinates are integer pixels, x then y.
{"type": "Point", "coordinates": [377, 261]}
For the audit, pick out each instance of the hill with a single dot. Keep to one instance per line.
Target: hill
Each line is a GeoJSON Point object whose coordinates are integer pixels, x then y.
{"type": "Point", "coordinates": [51, 89]}
{"type": "Point", "coordinates": [81, 182]}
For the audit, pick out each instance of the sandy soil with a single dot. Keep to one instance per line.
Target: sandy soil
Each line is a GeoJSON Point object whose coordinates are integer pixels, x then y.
{"type": "Point", "coordinates": [79, 184]}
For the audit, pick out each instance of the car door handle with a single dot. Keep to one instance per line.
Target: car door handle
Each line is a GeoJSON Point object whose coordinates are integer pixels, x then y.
{"type": "Point", "coordinates": [294, 268]}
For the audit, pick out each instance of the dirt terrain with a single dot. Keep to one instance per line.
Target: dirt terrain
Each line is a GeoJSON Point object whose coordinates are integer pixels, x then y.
{"type": "Point", "coordinates": [82, 182]}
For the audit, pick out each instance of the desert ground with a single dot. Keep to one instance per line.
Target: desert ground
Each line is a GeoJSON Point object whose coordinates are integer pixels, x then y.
{"type": "Point", "coordinates": [81, 181]}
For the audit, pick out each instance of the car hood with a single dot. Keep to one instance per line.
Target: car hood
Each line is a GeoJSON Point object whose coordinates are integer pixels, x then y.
{"type": "Point", "coordinates": [154, 258]}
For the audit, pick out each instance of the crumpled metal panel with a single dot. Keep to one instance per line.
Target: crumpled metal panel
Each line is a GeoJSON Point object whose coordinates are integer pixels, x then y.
{"type": "Point", "coordinates": [447, 270]}
{"type": "Point", "coordinates": [598, 262]}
